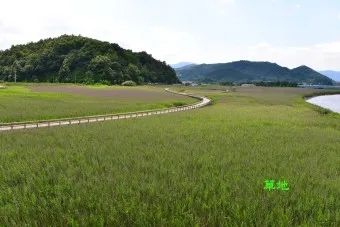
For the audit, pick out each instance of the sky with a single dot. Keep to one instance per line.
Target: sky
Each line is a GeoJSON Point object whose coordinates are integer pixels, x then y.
{"type": "Point", "coordinates": [288, 32]}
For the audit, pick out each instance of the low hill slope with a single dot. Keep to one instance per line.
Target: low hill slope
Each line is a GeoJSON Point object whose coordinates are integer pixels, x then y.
{"type": "Point", "coordinates": [82, 60]}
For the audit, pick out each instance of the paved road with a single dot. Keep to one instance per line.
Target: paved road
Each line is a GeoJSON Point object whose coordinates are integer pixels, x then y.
{"type": "Point", "coordinates": [85, 120]}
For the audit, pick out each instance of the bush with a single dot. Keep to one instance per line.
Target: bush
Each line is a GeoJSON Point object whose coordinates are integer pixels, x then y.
{"type": "Point", "coordinates": [213, 99]}
{"type": "Point", "coordinates": [105, 82]}
{"type": "Point", "coordinates": [176, 104]}
{"type": "Point", "coordinates": [88, 81]}
{"type": "Point", "coordinates": [226, 83]}
{"type": "Point", "coordinates": [35, 79]}
{"type": "Point", "coordinates": [129, 83]}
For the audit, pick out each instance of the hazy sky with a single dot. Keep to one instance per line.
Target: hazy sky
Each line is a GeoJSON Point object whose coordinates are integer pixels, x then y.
{"type": "Point", "coordinates": [288, 32]}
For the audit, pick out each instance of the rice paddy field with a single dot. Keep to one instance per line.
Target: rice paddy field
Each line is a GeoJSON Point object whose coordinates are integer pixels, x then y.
{"type": "Point", "coordinates": [27, 102]}
{"type": "Point", "coordinates": [205, 167]}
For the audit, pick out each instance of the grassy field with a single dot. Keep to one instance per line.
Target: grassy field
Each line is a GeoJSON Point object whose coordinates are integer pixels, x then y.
{"type": "Point", "coordinates": [204, 167]}
{"type": "Point", "coordinates": [33, 102]}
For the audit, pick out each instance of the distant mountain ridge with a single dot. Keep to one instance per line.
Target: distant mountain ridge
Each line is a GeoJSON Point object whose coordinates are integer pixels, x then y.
{"type": "Point", "coordinates": [181, 64]}
{"type": "Point", "coordinates": [334, 75]}
{"type": "Point", "coordinates": [247, 71]}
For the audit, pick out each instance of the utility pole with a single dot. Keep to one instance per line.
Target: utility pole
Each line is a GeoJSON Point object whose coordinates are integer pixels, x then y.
{"type": "Point", "coordinates": [15, 75]}
{"type": "Point", "coordinates": [15, 70]}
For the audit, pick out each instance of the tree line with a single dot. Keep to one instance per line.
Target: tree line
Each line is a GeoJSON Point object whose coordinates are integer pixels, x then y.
{"type": "Point", "coordinates": [276, 84]}
{"type": "Point", "coordinates": [263, 83]}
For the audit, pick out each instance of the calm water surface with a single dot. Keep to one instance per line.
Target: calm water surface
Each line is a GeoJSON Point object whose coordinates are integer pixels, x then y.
{"type": "Point", "coordinates": [331, 102]}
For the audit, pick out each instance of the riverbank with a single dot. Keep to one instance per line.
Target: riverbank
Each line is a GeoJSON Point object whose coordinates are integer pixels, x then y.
{"type": "Point", "coordinates": [319, 86]}
{"type": "Point", "coordinates": [331, 102]}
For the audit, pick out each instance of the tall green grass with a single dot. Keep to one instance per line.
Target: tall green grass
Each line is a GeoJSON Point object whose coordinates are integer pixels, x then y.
{"type": "Point", "coordinates": [205, 167]}
{"type": "Point", "coordinates": [19, 103]}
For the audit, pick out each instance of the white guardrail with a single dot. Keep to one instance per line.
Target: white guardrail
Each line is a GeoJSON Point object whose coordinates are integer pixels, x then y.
{"type": "Point", "coordinates": [89, 119]}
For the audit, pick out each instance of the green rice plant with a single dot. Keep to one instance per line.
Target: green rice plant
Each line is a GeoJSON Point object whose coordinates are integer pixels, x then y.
{"type": "Point", "coordinates": [205, 167]}
{"type": "Point", "coordinates": [21, 103]}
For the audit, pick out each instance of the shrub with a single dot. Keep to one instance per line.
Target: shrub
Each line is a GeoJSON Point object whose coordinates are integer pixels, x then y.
{"type": "Point", "coordinates": [213, 99]}
{"type": "Point", "coordinates": [129, 83]}
{"type": "Point", "coordinates": [105, 82]}
{"type": "Point", "coordinates": [178, 104]}
{"type": "Point", "coordinates": [89, 81]}
{"type": "Point", "coordinates": [35, 79]}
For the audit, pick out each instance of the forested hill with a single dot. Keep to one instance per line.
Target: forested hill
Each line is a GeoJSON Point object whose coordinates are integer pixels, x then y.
{"type": "Point", "coordinates": [247, 71]}
{"type": "Point", "coordinates": [82, 60]}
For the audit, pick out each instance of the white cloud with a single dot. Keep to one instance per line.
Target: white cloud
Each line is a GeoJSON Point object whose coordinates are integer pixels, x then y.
{"type": "Point", "coordinates": [298, 6]}
{"type": "Point", "coordinates": [338, 16]}
{"type": "Point", "coordinates": [332, 47]}
{"type": "Point", "coordinates": [37, 19]}
{"type": "Point", "coordinates": [226, 1]}
{"type": "Point", "coordinates": [165, 43]}
{"type": "Point", "coordinates": [30, 21]}
{"type": "Point", "coordinates": [221, 7]}
{"type": "Point", "coordinates": [124, 23]}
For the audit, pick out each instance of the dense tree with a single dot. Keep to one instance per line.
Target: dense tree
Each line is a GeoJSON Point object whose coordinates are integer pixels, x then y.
{"type": "Point", "coordinates": [226, 83]}
{"type": "Point", "coordinates": [276, 84]}
{"type": "Point", "coordinates": [82, 60]}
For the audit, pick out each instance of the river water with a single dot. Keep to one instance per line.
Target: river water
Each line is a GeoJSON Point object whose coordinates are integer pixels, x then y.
{"type": "Point", "coordinates": [331, 102]}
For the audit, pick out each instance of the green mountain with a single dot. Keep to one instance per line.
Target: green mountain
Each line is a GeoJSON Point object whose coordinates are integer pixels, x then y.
{"type": "Point", "coordinates": [79, 59]}
{"type": "Point", "coordinates": [247, 71]}
{"type": "Point", "coordinates": [308, 75]}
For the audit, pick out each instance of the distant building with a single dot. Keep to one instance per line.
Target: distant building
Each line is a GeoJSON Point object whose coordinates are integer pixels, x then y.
{"type": "Point", "coordinates": [189, 83]}
{"type": "Point", "coordinates": [248, 85]}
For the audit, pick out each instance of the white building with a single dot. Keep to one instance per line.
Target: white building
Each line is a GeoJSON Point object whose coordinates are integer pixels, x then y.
{"type": "Point", "coordinates": [248, 85]}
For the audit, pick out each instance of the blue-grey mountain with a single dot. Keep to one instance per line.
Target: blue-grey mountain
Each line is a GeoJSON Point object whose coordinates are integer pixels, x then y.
{"type": "Point", "coordinates": [247, 71]}
{"type": "Point", "coordinates": [181, 64]}
{"type": "Point", "coordinates": [334, 75]}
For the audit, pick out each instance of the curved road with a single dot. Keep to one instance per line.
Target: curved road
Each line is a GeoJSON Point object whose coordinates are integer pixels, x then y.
{"type": "Point", "coordinates": [90, 119]}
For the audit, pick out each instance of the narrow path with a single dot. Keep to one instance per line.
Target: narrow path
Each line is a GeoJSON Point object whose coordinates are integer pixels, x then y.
{"type": "Point", "coordinates": [90, 119]}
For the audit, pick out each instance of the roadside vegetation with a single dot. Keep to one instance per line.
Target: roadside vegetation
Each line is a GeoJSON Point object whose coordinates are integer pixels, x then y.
{"type": "Point", "coordinates": [205, 167]}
